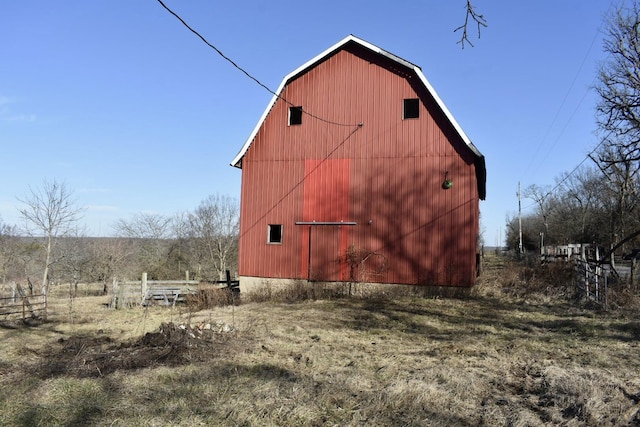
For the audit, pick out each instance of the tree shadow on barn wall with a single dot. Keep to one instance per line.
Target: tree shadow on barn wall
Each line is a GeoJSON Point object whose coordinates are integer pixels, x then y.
{"type": "Point", "coordinates": [425, 234]}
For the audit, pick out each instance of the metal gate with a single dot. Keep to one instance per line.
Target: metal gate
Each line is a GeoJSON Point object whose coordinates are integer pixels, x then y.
{"type": "Point", "coordinates": [592, 281]}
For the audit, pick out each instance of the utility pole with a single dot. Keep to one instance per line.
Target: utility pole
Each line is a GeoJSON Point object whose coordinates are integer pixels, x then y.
{"type": "Point", "coordinates": [520, 250]}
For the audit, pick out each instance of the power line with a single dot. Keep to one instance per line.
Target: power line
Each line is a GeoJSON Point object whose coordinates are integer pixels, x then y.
{"type": "Point", "coordinates": [355, 127]}
{"type": "Point", "coordinates": [245, 72]}
{"type": "Point", "coordinates": [564, 100]}
{"type": "Point", "coordinates": [570, 118]}
{"type": "Point", "coordinates": [301, 182]}
{"type": "Point", "coordinates": [588, 156]}
{"type": "Point", "coordinates": [566, 125]}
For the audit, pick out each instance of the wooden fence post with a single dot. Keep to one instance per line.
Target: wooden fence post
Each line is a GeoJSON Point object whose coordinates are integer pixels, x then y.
{"type": "Point", "coordinates": [144, 286]}
{"type": "Point", "coordinates": [26, 304]}
{"type": "Point", "coordinates": [121, 292]}
{"type": "Point", "coordinates": [116, 293]}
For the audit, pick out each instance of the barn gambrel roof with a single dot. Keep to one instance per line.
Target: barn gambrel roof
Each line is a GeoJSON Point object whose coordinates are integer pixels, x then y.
{"type": "Point", "coordinates": [480, 162]}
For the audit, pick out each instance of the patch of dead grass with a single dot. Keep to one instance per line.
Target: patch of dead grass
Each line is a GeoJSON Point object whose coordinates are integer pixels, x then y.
{"type": "Point", "coordinates": [500, 356]}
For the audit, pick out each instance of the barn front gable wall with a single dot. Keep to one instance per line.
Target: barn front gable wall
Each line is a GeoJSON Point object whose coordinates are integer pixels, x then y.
{"type": "Point", "coordinates": [355, 159]}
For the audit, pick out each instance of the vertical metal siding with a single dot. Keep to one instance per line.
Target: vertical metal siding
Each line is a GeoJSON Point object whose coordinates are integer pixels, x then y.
{"type": "Point", "coordinates": [427, 235]}
{"type": "Point", "coordinates": [326, 199]}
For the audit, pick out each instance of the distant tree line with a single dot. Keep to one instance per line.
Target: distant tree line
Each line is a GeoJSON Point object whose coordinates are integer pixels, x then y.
{"type": "Point", "coordinates": [587, 207]}
{"type": "Point", "coordinates": [51, 247]}
{"type": "Point", "coordinates": [598, 202]}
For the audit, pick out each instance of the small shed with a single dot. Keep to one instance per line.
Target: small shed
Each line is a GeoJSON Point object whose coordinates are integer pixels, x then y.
{"type": "Point", "coordinates": [357, 171]}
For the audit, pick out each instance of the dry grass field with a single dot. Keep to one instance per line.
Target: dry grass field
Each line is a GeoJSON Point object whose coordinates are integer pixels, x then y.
{"type": "Point", "coordinates": [517, 350]}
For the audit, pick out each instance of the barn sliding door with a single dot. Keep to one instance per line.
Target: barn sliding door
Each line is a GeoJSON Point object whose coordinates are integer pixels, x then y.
{"type": "Point", "coordinates": [326, 199]}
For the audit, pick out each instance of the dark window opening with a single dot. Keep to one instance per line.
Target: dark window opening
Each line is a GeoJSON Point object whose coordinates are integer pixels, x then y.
{"type": "Point", "coordinates": [274, 233]}
{"type": "Point", "coordinates": [295, 116]}
{"type": "Point", "coordinates": [411, 108]}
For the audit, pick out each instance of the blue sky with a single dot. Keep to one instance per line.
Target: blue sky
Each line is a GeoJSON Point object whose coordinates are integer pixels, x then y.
{"type": "Point", "coordinates": [135, 114]}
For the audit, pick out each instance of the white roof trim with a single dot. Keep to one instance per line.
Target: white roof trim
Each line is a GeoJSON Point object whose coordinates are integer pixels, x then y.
{"type": "Point", "coordinates": [309, 64]}
{"type": "Point", "coordinates": [446, 111]}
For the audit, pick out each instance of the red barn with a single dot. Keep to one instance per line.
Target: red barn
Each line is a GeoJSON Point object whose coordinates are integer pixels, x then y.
{"type": "Point", "coordinates": [357, 171]}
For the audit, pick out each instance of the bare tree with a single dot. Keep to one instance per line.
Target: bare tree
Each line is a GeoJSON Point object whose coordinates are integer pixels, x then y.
{"type": "Point", "coordinates": [213, 233]}
{"type": "Point", "coordinates": [579, 206]}
{"type": "Point", "coordinates": [619, 192]}
{"type": "Point", "coordinates": [8, 249]}
{"type": "Point", "coordinates": [74, 261]}
{"type": "Point", "coordinates": [151, 233]}
{"type": "Point", "coordinates": [144, 226]}
{"type": "Point", "coordinates": [618, 119]}
{"type": "Point", "coordinates": [587, 205]}
{"type": "Point", "coordinates": [543, 199]}
{"type": "Point", "coordinates": [618, 110]}
{"type": "Point", "coordinates": [49, 212]}
{"type": "Point", "coordinates": [110, 257]}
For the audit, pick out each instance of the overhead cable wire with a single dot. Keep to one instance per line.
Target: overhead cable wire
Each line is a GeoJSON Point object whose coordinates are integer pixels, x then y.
{"type": "Point", "coordinates": [564, 100]}
{"type": "Point", "coordinates": [301, 182]}
{"type": "Point", "coordinates": [587, 157]}
{"type": "Point", "coordinates": [565, 126]}
{"type": "Point", "coordinates": [595, 37]}
{"type": "Point", "coordinates": [355, 127]}
{"type": "Point", "coordinates": [245, 72]}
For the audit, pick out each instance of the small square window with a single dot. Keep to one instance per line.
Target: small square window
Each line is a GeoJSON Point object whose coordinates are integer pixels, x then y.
{"type": "Point", "coordinates": [274, 233]}
{"type": "Point", "coordinates": [295, 116]}
{"type": "Point", "coordinates": [411, 108]}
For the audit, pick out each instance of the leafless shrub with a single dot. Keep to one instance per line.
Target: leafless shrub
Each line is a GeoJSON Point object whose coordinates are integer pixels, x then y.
{"type": "Point", "coordinates": [302, 290]}
{"type": "Point", "coordinates": [363, 264]}
{"type": "Point", "coordinates": [625, 298]}
{"type": "Point", "coordinates": [208, 297]}
{"type": "Point", "coordinates": [297, 291]}
{"type": "Point", "coordinates": [528, 280]}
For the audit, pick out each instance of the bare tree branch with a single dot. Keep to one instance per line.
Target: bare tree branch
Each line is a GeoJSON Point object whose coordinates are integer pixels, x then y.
{"type": "Point", "coordinates": [475, 17]}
